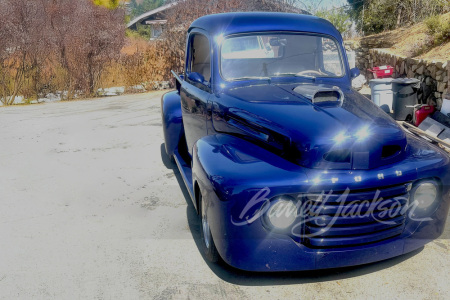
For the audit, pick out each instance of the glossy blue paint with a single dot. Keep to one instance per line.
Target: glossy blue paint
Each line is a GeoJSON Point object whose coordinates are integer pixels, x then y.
{"type": "Point", "coordinates": [235, 23]}
{"type": "Point", "coordinates": [230, 171]}
{"type": "Point", "coordinates": [241, 138]}
{"type": "Point", "coordinates": [172, 120]}
{"type": "Point", "coordinates": [306, 132]}
{"type": "Point", "coordinates": [355, 72]}
{"type": "Point", "coordinates": [196, 77]}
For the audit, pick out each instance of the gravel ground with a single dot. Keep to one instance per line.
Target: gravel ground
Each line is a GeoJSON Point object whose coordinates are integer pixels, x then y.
{"type": "Point", "coordinates": [91, 209]}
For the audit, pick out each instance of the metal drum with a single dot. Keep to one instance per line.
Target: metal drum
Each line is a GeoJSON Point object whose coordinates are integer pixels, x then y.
{"type": "Point", "coordinates": [382, 94]}
{"type": "Point", "coordinates": [405, 97]}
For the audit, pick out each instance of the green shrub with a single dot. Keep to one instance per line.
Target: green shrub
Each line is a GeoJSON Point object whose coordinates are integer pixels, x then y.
{"type": "Point", "coordinates": [433, 23]}
{"type": "Point", "coordinates": [339, 18]}
{"type": "Point", "coordinates": [143, 31]}
{"type": "Point", "coordinates": [438, 29]}
{"type": "Point", "coordinates": [375, 16]}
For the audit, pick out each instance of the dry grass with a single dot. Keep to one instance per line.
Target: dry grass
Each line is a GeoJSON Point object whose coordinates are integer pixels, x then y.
{"type": "Point", "coordinates": [409, 41]}
{"type": "Point", "coordinates": [141, 63]}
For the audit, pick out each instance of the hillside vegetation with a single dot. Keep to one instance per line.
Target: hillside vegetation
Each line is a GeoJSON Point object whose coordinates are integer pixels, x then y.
{"type": "Point", "coordinates": [416, 41]}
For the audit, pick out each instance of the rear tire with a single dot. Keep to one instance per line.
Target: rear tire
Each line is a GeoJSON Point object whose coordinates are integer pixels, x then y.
{"type": "Point", "coordinates": [207, 243]}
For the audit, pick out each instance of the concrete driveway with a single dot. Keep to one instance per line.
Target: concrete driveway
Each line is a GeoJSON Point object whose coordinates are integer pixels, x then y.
{"type": "Point", "coordinates": [92, 209]}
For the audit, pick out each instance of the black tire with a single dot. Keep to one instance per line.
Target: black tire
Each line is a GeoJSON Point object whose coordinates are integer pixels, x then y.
{"type": "Point", "coordinates": [208, 247]}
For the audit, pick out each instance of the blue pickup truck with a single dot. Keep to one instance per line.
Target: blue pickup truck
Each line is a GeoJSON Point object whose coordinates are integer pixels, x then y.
{"type": "Point", "coordinates": [288, 167]}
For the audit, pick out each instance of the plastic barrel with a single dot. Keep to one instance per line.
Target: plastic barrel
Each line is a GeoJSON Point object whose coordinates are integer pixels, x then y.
{"type": "Point", "coordinates": [405, 94]}
{"type": "Point", "coordinates": [382, 94]}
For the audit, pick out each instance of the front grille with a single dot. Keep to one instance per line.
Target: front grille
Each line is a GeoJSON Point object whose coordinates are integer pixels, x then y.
{"type": "Point", "coordinates": [358, 218]}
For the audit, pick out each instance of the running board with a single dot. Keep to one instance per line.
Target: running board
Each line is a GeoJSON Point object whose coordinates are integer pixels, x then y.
{"type": "Point", "coordinates": [186, 173]}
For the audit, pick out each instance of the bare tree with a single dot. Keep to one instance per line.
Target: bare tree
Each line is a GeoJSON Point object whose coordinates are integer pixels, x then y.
{"type": "Point", "coordinates": [41, 40]}
{"type": "Point", "coordinates": [22, 49]}
{"type": "Point", "coordinates": [86, 38]}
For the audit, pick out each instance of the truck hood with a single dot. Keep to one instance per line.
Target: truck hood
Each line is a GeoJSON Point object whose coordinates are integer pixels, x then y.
{"type": "Point", "coordinates": [352, 133]}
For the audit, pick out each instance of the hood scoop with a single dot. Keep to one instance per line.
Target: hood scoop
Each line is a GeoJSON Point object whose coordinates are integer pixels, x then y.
{"type": "Point", "coordinates": [322, 95]}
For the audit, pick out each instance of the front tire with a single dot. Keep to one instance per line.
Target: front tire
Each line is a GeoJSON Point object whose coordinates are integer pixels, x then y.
{"type": "Point", "coordinates": [207, 243]}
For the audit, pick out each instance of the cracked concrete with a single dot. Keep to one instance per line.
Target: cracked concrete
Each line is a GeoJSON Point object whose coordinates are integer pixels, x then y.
{"type": "Point", "coordinates": [90, 210]}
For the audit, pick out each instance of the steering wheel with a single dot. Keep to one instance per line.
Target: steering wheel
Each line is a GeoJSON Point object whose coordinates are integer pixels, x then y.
{"type": "Point", "coordinates": [307, 72]}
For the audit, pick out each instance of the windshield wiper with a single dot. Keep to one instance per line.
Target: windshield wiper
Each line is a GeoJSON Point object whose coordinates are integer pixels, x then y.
{"type": "Point", "coordinates": [284, 74]}
{"type": "Point", "coordinates": [313, 78]}
{"type": "Point", "coordinates": [294, 75]}
{"type": "Point", "coordinates": [251, 78]}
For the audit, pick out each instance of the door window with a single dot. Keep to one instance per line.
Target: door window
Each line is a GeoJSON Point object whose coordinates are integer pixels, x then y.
{"type": "Point", "coordinates": [332, 62]}
{"type": "Point", "coordinates": [200, 56]}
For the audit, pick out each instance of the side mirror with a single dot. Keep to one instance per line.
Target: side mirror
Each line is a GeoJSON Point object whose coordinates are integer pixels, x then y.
{"type": "Point", "coordinates": [196, 77]}
{"type": "Point", "coordinates": [179, 78]}
{"type": "Point", "coordinates": [178, 82]}
{"type": "Point", "coordinates": [277, 42]}
{"type": "Point", "coordinates": [354, 72]}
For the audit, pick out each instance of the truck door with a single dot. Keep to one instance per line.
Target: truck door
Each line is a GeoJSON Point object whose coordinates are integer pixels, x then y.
{"type": "Point", "coordinates": [196, 89]}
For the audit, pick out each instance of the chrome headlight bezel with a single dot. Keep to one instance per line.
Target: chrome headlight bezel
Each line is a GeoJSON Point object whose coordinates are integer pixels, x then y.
{"type": "Point", "coordinates": [425, 196]}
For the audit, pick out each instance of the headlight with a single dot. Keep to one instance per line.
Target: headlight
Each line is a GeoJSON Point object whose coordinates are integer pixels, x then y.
{"type": "Point", "coordinates": [425, 194]}
{"type": "Point", "coordinates": [282, 212]}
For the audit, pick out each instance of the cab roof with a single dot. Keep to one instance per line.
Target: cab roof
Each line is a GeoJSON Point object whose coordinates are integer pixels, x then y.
{"type": "Point", "coordinates": [243, 22]}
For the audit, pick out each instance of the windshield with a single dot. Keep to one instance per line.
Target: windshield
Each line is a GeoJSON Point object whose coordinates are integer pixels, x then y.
{"type": "Point", "coordinates": [280, 55]}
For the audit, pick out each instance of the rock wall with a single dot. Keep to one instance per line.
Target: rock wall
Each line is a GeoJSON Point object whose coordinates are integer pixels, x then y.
{"type": "Point", "coordinates": [434, 75]}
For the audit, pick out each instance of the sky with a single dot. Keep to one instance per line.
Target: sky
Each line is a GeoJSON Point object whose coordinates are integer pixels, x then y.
{"type": "Point", "coordinates": [328, 4]}
{"type": "Point", "coordinates": [334, 3]}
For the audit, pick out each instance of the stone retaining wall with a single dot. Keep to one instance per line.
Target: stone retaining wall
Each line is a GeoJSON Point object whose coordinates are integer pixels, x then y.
{"type": "Point", "coordinates": [434, 75]}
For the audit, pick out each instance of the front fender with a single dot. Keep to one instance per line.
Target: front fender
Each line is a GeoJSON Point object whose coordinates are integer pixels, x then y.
{"type": "Point", "coordinates": [172, 120]}
{"type": "Point", "coordinates": [230, 172]}
{"type": "Point", "coordinates": [231, 165]}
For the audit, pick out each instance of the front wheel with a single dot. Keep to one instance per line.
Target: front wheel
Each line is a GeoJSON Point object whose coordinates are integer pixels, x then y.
{"type": "Point", "coordinates": [208, 246]}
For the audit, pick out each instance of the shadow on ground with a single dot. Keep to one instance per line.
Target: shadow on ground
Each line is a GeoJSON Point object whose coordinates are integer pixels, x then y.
{"type": "Point", "coordinates": [245, 278]}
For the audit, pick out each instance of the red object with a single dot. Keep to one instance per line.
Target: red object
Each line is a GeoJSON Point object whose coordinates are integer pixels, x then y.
{"type": "Point", "coordinates": [382, 72]}
{"type": "Point", "coordinates": [422, 113]}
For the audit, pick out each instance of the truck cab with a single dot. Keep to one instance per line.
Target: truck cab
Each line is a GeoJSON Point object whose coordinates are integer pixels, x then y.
{"type": "Point", "coordinates": [288, 167]}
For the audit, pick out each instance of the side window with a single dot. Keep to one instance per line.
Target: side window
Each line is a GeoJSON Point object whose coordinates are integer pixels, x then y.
{"type": "Point", "coordinates": [331, 58]}
{"type": "Point", "coordinates": [200, 56]}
